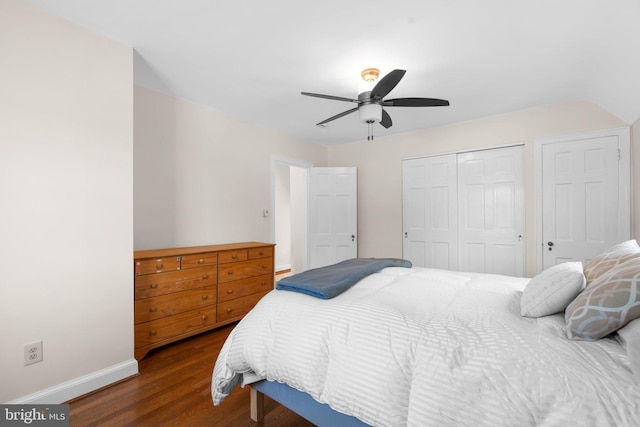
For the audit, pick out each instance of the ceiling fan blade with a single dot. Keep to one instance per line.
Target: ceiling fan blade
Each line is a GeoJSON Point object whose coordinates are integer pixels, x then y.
{"type": "Point", "coordinates": [386, 84]}
{"type": "Point", "coordinates": [415, 102]}
{"type": "Point", "coordinates": [337, 116]}
{"type": "Point", "coordinates": [386, 120]}
{"type": "Point", "coordinates": [335, 98]}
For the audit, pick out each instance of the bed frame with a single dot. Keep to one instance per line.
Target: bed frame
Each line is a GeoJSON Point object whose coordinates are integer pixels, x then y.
{"type": "Point", "coordinates": [299, 402]}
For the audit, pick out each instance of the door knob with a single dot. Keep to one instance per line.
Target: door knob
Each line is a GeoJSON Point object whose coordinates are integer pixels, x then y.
{"type": "Point", "coordinates": [353, 238]}
{"type": "Point", "coordinates": [550, 244]}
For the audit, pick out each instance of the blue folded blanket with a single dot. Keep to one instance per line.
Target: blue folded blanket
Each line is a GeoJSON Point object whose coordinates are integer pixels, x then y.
{"type": "Point", "coordinates": [327, 282]}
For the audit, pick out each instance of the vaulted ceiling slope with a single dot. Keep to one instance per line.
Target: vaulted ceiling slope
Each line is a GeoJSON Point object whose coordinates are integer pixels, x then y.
{"type": "Point", "coordinates": [252, 58]}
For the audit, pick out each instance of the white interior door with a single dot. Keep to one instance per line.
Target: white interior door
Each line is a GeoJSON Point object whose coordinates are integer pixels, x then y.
{"type": "Point", "coordinates": [585, 195]}
{"type": "Point", "coordinates": [491, 211]}
{"type": "Point", "coordinates": [429, 218]}
{"type": "Point", "coordinates": [333, 215]}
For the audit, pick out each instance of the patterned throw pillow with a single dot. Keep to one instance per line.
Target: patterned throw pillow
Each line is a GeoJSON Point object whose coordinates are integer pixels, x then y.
{"type": "Point", "coordinates": [552, 290]}
{"type": "Point", "coordinates": [607, 304]}
{"type": "Point", "coordinates": [611, 258]}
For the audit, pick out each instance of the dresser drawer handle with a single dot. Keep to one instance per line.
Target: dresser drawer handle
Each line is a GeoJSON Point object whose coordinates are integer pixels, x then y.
{"type": "Point", "coordinates": [152, 332]}
{"type": "Point", "coordinates": [153, 285]}
{"type": "Point", "coordinates": [230, 272]}
{"type": "Point", "coordinates": [205, 276]}
{"type": "Point", "coordinates": [204, 318]}
{"type": "Point", "coordinates": [205, 297]}
{"type": "Point", "coordinates": [159, 266]}
{"type": "Point", "coordinates": [260, 253]}
{"type": "Point", "coordinates": [264, 283]}
{"type": "Point", "coordinates": [200, 261]}
{"type": "Point", "coordinates": [264, 267]}
{"type": "Point", "coordinates": [229, 291]}
{"type": "Point", "coordinates": [153, 309]}
{"type": "Point", "coordinates": [229, 310]}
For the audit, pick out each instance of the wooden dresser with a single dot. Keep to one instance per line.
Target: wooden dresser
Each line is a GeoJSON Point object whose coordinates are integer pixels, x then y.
{"type": "Point", "coordinates": [181, 292]}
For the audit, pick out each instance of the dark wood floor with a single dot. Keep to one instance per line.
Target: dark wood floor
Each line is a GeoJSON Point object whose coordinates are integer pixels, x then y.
{"type": "Point", "coordinates": [174, 389]}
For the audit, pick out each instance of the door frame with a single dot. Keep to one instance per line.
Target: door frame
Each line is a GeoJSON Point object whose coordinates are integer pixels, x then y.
{"type": "Point", "coordinates": [624, 181]}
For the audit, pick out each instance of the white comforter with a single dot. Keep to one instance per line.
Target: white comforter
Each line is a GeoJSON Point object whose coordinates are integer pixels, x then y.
{"type": "Point", "coordinates": [424, 347]}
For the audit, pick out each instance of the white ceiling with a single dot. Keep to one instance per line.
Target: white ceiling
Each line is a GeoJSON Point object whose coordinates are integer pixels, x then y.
{"type": "Point", "coordinates": [252, 58]}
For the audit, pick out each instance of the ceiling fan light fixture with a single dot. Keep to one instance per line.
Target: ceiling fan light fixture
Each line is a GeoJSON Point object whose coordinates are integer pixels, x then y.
{"type": "Point", "coordinates": [370, 113]}
{"type": "Point", "coordinates": [370, 74]}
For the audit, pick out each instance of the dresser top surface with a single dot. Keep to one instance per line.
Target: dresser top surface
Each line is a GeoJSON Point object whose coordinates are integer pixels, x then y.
{"type": "Point", "coordinates": [171, 252]}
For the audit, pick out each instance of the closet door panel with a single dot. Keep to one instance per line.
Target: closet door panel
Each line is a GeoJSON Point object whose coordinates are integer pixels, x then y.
{"type": "Point", "coordinates": [491, 209]}
{"type": "Point", "coordinates": [429, 214]}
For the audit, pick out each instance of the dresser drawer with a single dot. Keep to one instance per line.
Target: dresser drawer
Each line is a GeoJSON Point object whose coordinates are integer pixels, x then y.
{"type": "Point", "coordinates": [233, 256]}
{"type": "Point", "coordinates": [158, 265]}
{"type": "Point", "coordinates": [240, 288]}
{"type": "Point", "coordinates": [244, 269]}
{"type": "Point", "coordinates": [170, 327]}
{"type": "Point", "coordinates": [238, 307]}
{"type": "Point", "coordinates": [165, 283]}
{"type": "Point", "coordinates": [265, 252]}
{"type": "Point", "coordinates": [199, 260]}
{"type": "Point", "coordinates": [168, 305]}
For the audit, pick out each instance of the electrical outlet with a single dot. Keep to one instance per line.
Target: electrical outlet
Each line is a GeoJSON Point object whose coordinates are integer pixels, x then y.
{"type": "Point", "coordinates": [33, 353]}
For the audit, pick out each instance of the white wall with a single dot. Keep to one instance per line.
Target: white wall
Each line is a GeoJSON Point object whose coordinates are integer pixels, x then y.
{"type": "Point", "coordinates": [66, 156]}
{"type": "Point", "coordinates": [379, 164]}
{"type": "Point", "coordinates": [203, 176]}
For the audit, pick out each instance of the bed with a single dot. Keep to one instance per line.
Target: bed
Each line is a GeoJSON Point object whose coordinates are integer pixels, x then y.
{"type": "Point", "coordinates": [420, 347]}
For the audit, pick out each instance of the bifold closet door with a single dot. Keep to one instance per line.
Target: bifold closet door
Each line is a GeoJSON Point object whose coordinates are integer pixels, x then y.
{"type": "Point", "coordinates": [465, 211]}
{"type": "Point", "coordinates": [429, 215]}
{"type": "Point", "coordinates": [491, 211]}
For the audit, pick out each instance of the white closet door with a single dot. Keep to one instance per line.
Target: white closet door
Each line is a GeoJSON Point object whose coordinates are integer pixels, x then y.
{"type": "Point", "coordinates": [429, 212]}
{"type": "Point", "coordinates": [585, 195]}
{"type": "Point", "coordinates": [491, 211]}
{"type": "Point", "coordinates": [333, 215]}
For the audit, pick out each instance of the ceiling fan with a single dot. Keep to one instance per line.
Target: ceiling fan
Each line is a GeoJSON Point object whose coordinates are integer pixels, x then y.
{"type": "Point", "coordinates": [370, 100]}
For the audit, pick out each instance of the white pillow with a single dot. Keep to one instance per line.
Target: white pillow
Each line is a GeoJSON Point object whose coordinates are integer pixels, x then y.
{"type": "Point", "coordinates": [552, 290]}
{"type": "Point", "coordinates": [630, 338]}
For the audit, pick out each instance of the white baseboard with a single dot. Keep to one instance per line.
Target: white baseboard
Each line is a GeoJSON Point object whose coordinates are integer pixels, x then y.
{"type": "Point", "coordinates": [82, 385]}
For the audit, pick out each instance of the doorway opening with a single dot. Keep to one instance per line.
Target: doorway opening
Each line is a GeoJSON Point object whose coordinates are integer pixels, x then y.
{"type": "Point", "coordinates": [289, 214]}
